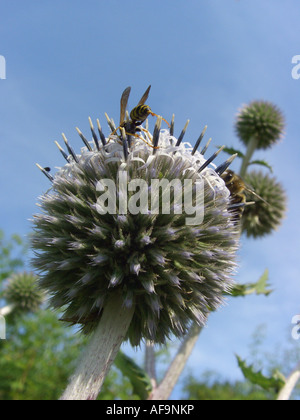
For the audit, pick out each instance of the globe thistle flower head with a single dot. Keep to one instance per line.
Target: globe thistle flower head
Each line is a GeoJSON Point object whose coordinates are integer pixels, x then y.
{"type": "Point", "coordinates": [172, 272]}
{"type": "Point", "coordinates": [23, 292]}
{"type": "Point", "coordinates": [265, 215]}
{"type": "Point", "coordinates": [262, 121]}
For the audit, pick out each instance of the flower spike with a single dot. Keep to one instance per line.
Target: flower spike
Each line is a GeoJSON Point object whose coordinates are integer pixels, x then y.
{"type": "Point", "coordinates": [62, 151]}
{"type": "Point", "coordinates": [124, 142]}
{"type": "Point", "coordinates": [110, 122]}
{"type": "Point", "coordinates": [205, 147]}
{"type": "Point", "coordinates": [155, 138]}
{"type": "Point", "coordinates": [210, 159]}
{"type": "Point", "coordinates": [102, 136]}
{"type": "Point", "coordinates": [95, 138]}
{"type": "Point", "coordinates": [70, 150]}
{"type": "Point", "coordinates": [199, 140]}
{"type": "Point", "coordinates": [45, 172]}
{"type": "Point", "coordinates": [180, 138]}
{"type": "Point", "coordinates": [85, 141]}
{"type": "Point", "coordinates": [172, 125]}
{"type": "Point", "coordinates": [222, 168]}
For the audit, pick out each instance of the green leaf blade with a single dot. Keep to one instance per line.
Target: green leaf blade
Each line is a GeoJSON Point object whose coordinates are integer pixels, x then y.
{"type": "Point", "coordinates": [262, 163]}
{"type": "Point", "coordinates": [140, 381]}
{"type": "Point", "coordinates": [261, 287]}
{"type": "Point", "coordinates": [276, 381]}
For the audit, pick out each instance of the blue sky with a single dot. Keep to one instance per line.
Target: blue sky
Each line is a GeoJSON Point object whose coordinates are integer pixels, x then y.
{"type": "Point", "coordinates": [67, 60]}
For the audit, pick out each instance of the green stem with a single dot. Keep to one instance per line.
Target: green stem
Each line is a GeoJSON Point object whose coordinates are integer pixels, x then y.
{"type": "Point", "coordinates": [100, 351]}
{"type": "Point", "coordinates": [252, 145]}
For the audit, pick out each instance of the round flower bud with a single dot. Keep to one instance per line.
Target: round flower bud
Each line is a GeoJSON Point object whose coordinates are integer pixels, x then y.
{"type": "Point", "coordinates": [23, 292]}
{"type": "Point", "coordinates": [260, 120]}
{"type": "Point", "coordinates": [266, 214]}
{"type": "Point", "coordinates": [105, 229]}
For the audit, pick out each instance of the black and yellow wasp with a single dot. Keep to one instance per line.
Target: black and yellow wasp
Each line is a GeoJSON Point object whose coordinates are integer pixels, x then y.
{"type": "Point", "coordinates": [137, 116]}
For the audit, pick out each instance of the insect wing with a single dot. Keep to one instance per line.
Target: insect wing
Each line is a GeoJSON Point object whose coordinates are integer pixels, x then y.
{"type": "Point", "coordinates": [123, 104]}
{"type": "Point", "coordinates": [144, 97]}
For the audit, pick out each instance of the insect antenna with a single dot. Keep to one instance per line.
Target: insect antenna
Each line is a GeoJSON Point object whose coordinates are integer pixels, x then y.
{"type": "Point", "coordinates": [250, 191]}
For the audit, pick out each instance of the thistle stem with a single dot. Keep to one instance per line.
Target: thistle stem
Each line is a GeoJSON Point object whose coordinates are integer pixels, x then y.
{"type": "Point", "coordinates": [252, 145]}
{"type": "Point", "coordinates": [150, 362]}
{"type": "Point", "coordinates": [163, 391]}
{"type": "Point", "coordinates": [6, 310]}
{"type": "Point", "coordinates": [291, 382]}
{"type": "Point", "coordinates": [100, 351]}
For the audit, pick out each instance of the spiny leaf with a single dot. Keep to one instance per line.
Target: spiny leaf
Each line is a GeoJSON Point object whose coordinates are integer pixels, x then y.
{"type": "Point", "coordinates": [139, 379]}
{"type": "Point", "coordinates": [262, 163]}
{"type": "Point", "coordinates": [276, 381]}
{"type": "Point", "coordinates": [262, 284]}
{"type": "Point", "coordinates": [259, 288]}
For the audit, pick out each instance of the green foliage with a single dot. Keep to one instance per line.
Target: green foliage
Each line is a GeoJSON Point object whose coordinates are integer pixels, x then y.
{"type": "Point", "coordinates": [259, 288]}
{"type": "Point", "coordinates": [262, 163]}
{"type": "Point", "coordinates": [116, 387]}
{"type": "Point", "coordinates": [275, 382]}
{"type": "Point", "coordinates": [37, 358]}
{"type": "Point", "coordinates": [11, 255]}
{"type": "Point", "coordinates": [40, 353]}
{"type": "Point", "coordinates": [213, 388]}
{"type": "Point", "coordinates": [255, 386]}
{"type": "Point", "coordinates": [139, 379]}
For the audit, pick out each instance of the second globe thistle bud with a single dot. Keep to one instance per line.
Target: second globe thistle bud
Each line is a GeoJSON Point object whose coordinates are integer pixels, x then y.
{"type": "Point", "coordinates": [263, 217]}
{"type": "Point", "coordinates": [262, 121]}
{"type": "Point", "coordinates": [23, 293]}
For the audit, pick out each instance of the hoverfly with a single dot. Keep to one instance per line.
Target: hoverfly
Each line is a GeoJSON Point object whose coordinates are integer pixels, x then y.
{"type": "Point", "coordinates": [237, 189]}
{"type": "Point", "coordinates": [137, 116]}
